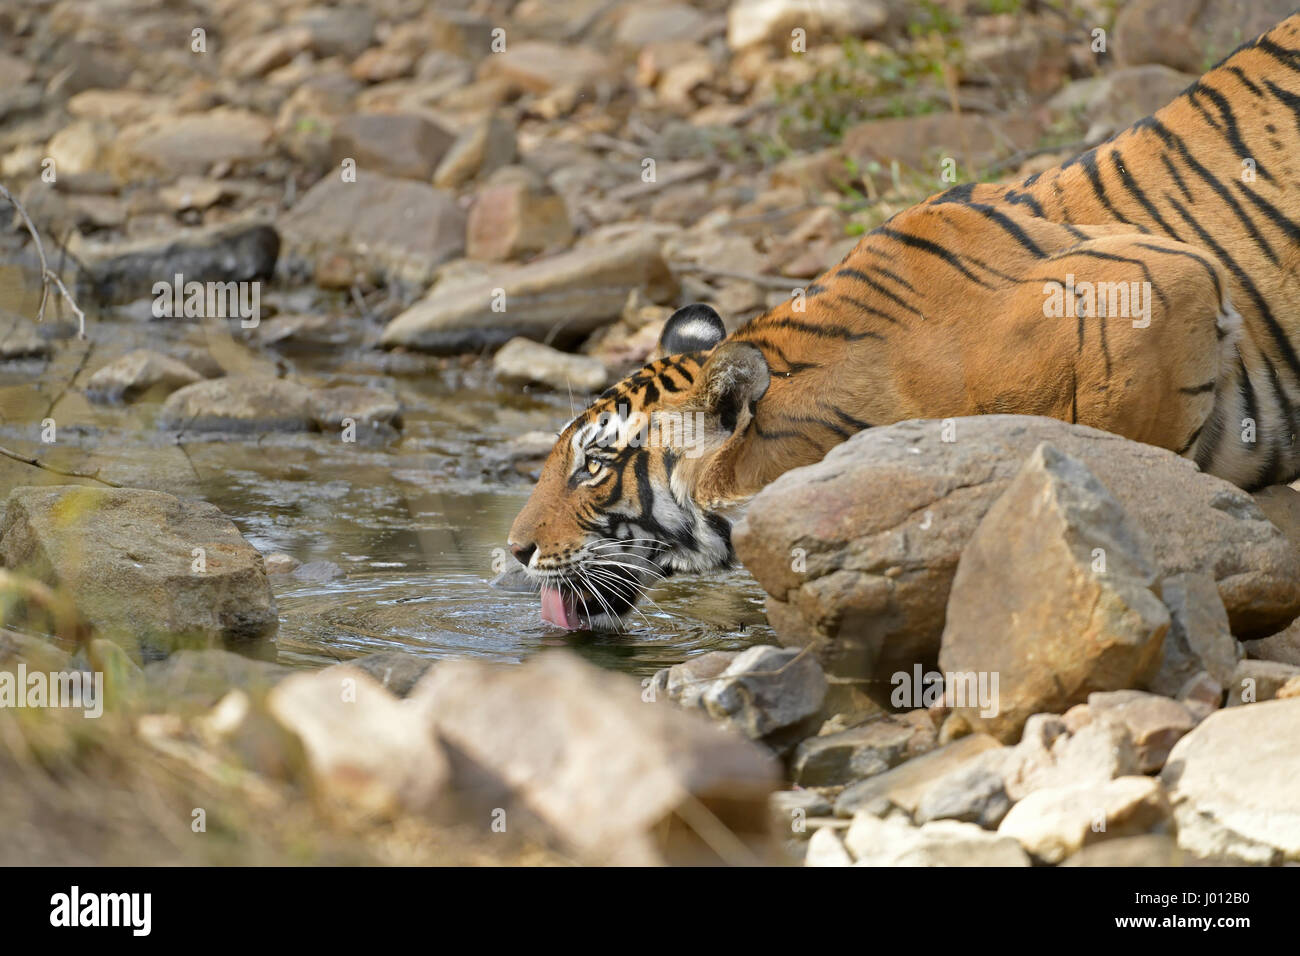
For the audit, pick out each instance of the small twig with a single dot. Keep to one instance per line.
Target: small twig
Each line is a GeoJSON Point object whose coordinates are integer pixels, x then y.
{"type": "Point", "coordinates": [48, 276]}
{"type": "Point", "coordinates": [37, 463]}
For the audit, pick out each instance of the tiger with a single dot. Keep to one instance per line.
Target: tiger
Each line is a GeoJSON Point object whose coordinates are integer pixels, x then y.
{"type": "Point", "coordinates": [1147, 287]}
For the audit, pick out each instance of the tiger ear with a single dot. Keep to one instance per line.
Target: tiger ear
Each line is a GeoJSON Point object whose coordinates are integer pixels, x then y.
{"type": "Point", "coordinates": [693, 328]}
{"type": "Point", "coordinates": [734, 377]}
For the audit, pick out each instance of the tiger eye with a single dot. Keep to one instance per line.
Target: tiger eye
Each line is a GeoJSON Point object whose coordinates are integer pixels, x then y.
{"type": "Point", "coordinates": [593, 467]}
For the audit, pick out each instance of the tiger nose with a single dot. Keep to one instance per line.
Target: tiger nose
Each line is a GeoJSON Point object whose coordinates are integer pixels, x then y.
{"type": "Point", "coordinates": [522, 552]}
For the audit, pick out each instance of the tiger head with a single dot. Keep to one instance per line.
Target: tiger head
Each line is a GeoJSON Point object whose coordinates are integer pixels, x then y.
{"type": "Point", "coordinates": [636, 487]}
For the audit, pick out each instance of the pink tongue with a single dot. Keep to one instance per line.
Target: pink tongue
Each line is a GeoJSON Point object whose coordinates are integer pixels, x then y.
{"type": "Point", "coordinates": [559, 610]}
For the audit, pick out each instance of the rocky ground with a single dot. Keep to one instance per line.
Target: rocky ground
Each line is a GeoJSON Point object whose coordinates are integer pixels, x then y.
{"type": "Point", "coordinates": [528, 189]}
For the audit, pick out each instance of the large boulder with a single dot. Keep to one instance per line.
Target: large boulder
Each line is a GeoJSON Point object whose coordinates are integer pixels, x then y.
{"type": "Point", "coordinates": [613, 777]}
{"type": "Point", "coordinates": [1053, 594]}
{"type": "Point", "coordinates": [398, 227]}
{"type": "Point", "coordinates": [1235, 784]}
{"type": "Point", "coordinates": [857, 552]}
{"type": "Point", "coordinates": [561, 298]}
{"type": "Point", "coordinates": [144, 568]}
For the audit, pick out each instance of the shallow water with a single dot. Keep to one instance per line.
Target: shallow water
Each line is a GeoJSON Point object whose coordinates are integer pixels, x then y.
{"type": "Point", "coordinates": [399, 540]}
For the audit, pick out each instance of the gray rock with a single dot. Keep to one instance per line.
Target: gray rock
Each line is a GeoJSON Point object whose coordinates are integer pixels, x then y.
{"type": "Point", "coordinates": [686, 682]}
{"type": "Point", "coordinates": [138, 374]}
{"type": "Point", "coordinates": [523, 360]}
{"type": "Point", "coordinates": [240, 404]}
{"type": "Point", "coordinates": [399, 228]}
{"type": "Point", "coordinates": [483, 148]}
{"type": "Point", "coordinates": [765, 689]}
{"type": "Point", "coordinates": [396, 671]}
{"type": "Point", "coordinates": [1190, 35]}
{"type": "Point", "coordinates": [826, 848]}
{"type": "Point", "coordinates": [883, 519]}
{"type": "Point", "coordinates": [123, 271]}
{"type": "Point", "coordinates": [1233, 781]}
{"type": "Point", "coordinates": [603, 770]}
{"type": "Point", "coordinates": [560, 298]}
{"type": "Point", "coordinates": [1053, 593]}
{"type": "Point", "coordinates": [973, 793]}
{"type": "Point", "coordinates": [852, 754]}
{"type": "Point", "coordinates": [127, 558]}
{"type": "Point", "coordinates": [904, 785]}
{"type": "Point", "coordinates": [1199, 637]}
{"type": "Point", "coordinates": [394, 144]}
{"type": "Point", "coordinates": [1095, 753]}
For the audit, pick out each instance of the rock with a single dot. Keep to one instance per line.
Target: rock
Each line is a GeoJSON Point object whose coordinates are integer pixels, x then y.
{"type": "Point", "coordinates": [365, 747]}
{"type": "Point", "coordinates": [1056, 822]}
{"type": "Point", "coordinates": [825, 848]}
{"type": "Point", "coordinates": [125, 271]}
{"type": "Point", "coordinates": [396, 671]}
{"type": "Point", "coordinates": [360, 403]}
{"type": "Point", "coordinates": [203, 677]}
{"type": "Point", "coordinates": [281, 563]}
{"type": "Point", "coordinates": [240, 404]}
{"type": "Point", "coordinates": [1048, 757]}
{"type": "Point", "coordinates": [259, 54]}
{"type": "Point", "coordinates": [766, 689]}
{"type": "Point", "coordinates": [395, 144]}
{"type": "Point", "coordinates": [686, 682]}
{"type": "Point", "coordinates": [1233, 784]}
{"type": "Point", "coordinates": [194, 192]}
{"type": "Point", "coordinates": [1010, 617]}
{"type": "Point", "coordinates": [512, 220]}
{"type": "Point", "coordinates": [560, 298]}
{"type": "Point", "coordinates": [138, 374]}
{"type": "Point", "coordinates": [79, 147]}
{"type": "Point", "coordinates": [862, 751]}
{"type": "Point", "coordinates": [189, 143]}
{"type": "Point", "coordinates": [127, 559]}
{"type": "Point", "coordinates": [1115, 100]}
{"type": "Point", "coordinates": [758, 21]}
{"type": "Point", "coordinates": [1154, 723]}
{"type": "Point", "coordinates": [883, 518]}
{"type": "Point", "coordinates": [337, 31]}
{"type": "Point", "coordinates": [1288, 690]}
{"type": "Point", "coordinates": [973, 793]}
{"type": "Point", "coordinates": [920, 143]}
{"type": "Point", "coordinates": [22, 340]}
{"type": "Point", "coordinates": [1191, 35]}
{"type": "Point", "coordinates": [482, 149]}
{"type": "Point", "coordinates": [876, 842]}
{"type": "Point", "coordinates": [1258, 680]}
{"type": "Point", "coordinates": [400, 228]}
{"type": "Point", "coordinates": [1149, 849]}
{"type": "Point", "coordinates": [640, 26]}
{"type": "Point", "coordinates": [1201, 695]}
{"type": "Point", "coordinates": [1199, 637]}
{"type": "Point", "coordinates": [523, 360]}
{"type": "Point", "coordinates": [1283, 646]}
{"type": "Point", "coordinates": [538, 67]}
{"type": "Point", "coordinates": [603, 770]}
{"type": "Point", "coordinates": [904, 785]}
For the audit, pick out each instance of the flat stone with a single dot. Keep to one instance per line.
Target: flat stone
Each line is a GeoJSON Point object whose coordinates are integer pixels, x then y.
{"type": "Point", "coordinates": [765, 689]}
{"type": "Point", "coordinates": [904, 785]}
{"type": "Point", "coordinates": [407, 146]}
{"type": "Point", "coordinates": [1155, 723]}
{"type": "Point", "coordinates": [876, 842]}
{"type": "Point", "coordinates": [1254, 681]}
{"type": "Point", "coordinates": [139, 374]}
{"type": "Point", "coordinates": [560, 298]}
{"type": "Point", "coordinates": [240, 404]}
{"type": "Point", "coordinates": [524, 361]}
{"type": "Point", "coordinates": [862, 751]}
